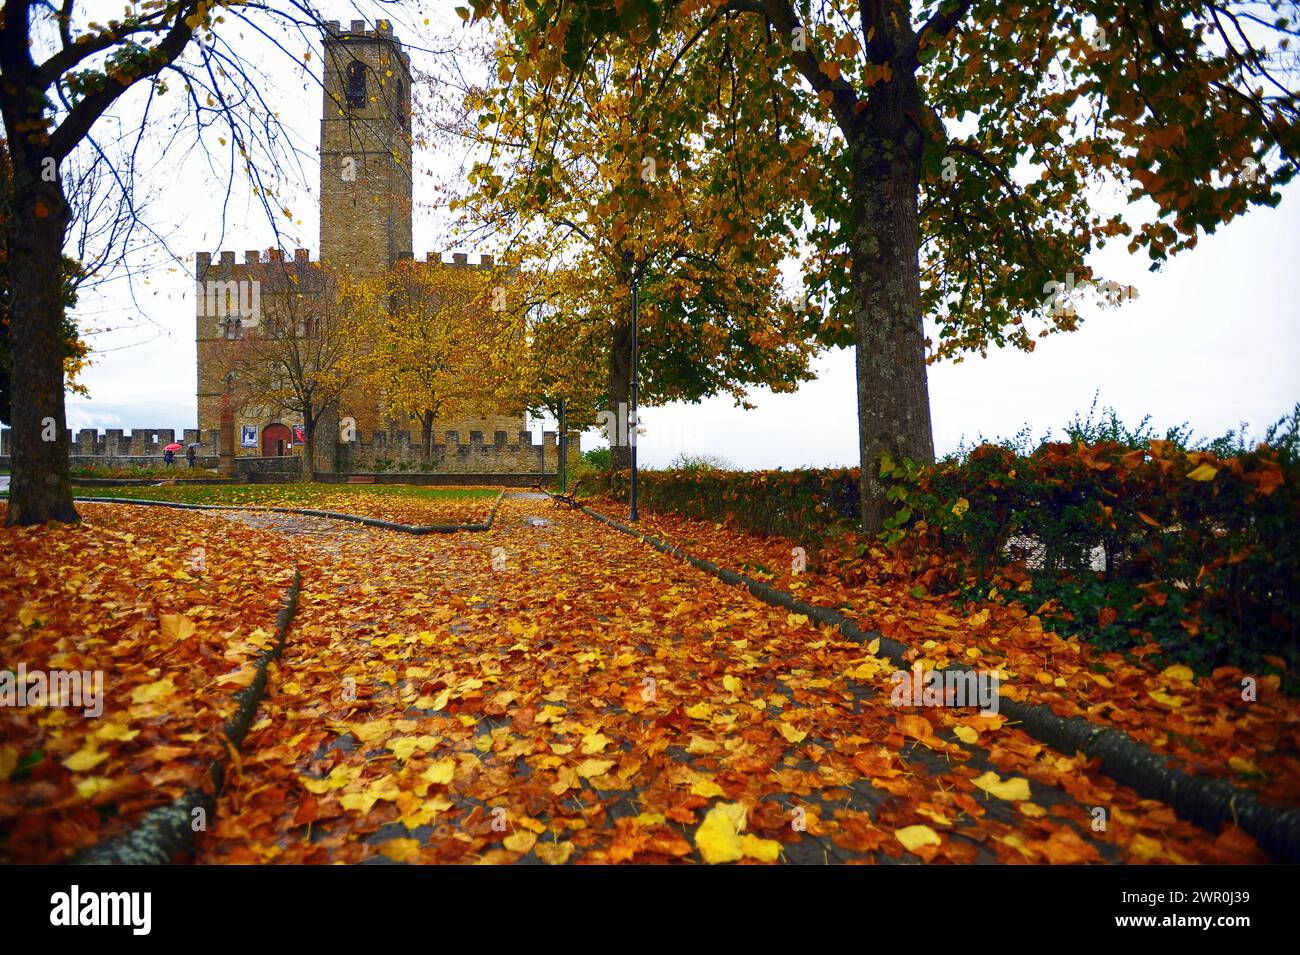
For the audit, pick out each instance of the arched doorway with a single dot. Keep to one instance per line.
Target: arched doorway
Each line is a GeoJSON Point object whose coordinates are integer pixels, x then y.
{"type": "Point", "coordinates": [276, 440]}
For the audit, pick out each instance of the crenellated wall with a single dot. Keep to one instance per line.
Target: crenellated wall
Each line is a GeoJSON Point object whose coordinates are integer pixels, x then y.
{"type": "Point", "coordinates": [472, 453]}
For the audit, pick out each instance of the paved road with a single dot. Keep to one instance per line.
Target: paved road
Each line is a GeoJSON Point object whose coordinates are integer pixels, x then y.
{"type": "Point", "coordinates": [553, 690]}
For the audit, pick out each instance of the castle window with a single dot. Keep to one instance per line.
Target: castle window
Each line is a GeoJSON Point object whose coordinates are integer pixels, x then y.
{"type": "Point", "coordinates": [356, 85]}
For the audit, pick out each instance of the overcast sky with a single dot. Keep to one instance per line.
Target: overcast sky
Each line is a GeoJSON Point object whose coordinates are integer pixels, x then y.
{"type": "Point", "coordinates": [1212, 339]}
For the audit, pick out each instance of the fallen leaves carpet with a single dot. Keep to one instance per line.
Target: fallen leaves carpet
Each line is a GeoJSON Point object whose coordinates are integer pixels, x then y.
{"type": "Point", "coordinates": [555, 691]}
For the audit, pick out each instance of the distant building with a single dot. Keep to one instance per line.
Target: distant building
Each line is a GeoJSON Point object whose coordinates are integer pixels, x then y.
{"type": "Point", "coordinates": [365, 227]}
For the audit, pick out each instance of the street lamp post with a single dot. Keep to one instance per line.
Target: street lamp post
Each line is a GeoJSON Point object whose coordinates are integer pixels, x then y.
{"type": "Point", "coordinates": [563, 444]}
{"type": "Point", "coordinates": [631, 425]}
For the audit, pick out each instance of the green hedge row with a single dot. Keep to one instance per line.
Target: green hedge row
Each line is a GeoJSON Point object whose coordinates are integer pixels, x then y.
{"type": "Point", "coordinates": [1196, 550]}
{"type": "Point", "coordinates": [800, 505]}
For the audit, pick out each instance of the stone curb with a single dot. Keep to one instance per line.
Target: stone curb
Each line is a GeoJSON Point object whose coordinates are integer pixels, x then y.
{"type": "Point", "coordinates": [168, 831]}
{"type": "Point", "coordinates": [309, 512]}
{"type": "Point", "coordinates": [1204, 800]}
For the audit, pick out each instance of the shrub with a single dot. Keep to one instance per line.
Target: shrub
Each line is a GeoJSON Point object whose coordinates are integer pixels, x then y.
{"type": "Point", "coordinates": [801, 505]}
{"type": "Point", "coordinates": [700, 462]}
{"type": "Point", "coordinates": [1190, 548]}
{"type": "Point", "coordinates": [598, 458]}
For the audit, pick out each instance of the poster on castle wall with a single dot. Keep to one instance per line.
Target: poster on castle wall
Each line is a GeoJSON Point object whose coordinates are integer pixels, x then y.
{"type": "Point", "coordinates": [248, 436]}
{"type": "Point", "coordinates": [299, 434]}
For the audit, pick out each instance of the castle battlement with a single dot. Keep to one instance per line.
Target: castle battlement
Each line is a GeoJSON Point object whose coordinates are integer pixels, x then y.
{"type": "Point", "coordinates": [383, 31]}
{"type": "Point", "coordinates": [402, 450]}
{"type": "Point", "coordinates": [222, 264]}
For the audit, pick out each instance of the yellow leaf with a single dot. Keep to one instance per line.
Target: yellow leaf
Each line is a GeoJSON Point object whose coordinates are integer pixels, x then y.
{"type": "Point", "coordinates": [1167, 699]}
{"type": "Point", "coordinates": [117, 731]}
{"type": "Point", "coordinates": [92, 786]}
{"type": "Point", "coordinates": [718, 838]}
{"type": "Point", "coordinates": [966, 734]}
{"type": "Point", "coordinates": [1203, 473]}
{"type": "Point", "coordinates": [732, 684]}
{"type": "Point", "coordinates": [700, 711]}
{"type": "Point", "coordinates": [373, 731]}
{"type": "Point", "coordinates": [404, 746]}
{"type": "Point", "coordinates": [441, 772]}
{"type": "Point", "coordinates": [914, 837]}
{"type": "Point", "coordinates": [1243, 765]}
{"type": "Point", "coordinates": [152, 692]}
{"type": "Point", "coordinates": [566, 779]}
{"type": "Point", "coordinates": [594, 767]}
{"type": "Point", "coordinates": [1183, 674]}
{"type": "Point", "coordinates": [553, 853]}
{"type": "Point", "coordinates": [593, 743]}
{"type": "Point", "coordinates": [520, 841]}
{"type": "Point", "coordinates": [401, 850]}
{"type": "Point", "coordinates": [764, 850]}
{"type": "Point", "coordinates": [84, 759]}
{"type": "Point", "coordinates": [176, 626]}
{"type": "Point", "coordinates": [385, 787]}
{"type": "Point", "coordinates": [791, 733]}
{"type": "Point", "coordinates": [338, 777]}
{"type": "Point", "coordinates": [706, 788]}
{"type": "Point", "coordinates": [1014, 788]}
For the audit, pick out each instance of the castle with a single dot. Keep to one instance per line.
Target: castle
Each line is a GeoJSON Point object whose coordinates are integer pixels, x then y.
{"type": "Point", "coordinates": [365, 228]}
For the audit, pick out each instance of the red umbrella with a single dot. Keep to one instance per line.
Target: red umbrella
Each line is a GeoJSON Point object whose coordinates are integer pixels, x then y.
{"type": "Point", "coordinates": [172, 447]}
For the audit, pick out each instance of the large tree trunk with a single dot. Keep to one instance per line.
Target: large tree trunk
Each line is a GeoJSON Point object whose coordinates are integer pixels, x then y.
{"type": "Point", "coordinates": [893, 396]}
{"type": "Point", "coordinates": [620, 395]}
{"type": "Point", "coordinates": [40, 490]}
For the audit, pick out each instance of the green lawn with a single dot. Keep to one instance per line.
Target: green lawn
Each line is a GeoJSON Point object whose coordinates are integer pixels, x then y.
{"type": "Point", "coordinates": [289, 495]}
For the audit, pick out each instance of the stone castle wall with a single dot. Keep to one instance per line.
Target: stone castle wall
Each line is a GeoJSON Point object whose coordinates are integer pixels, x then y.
{"type": "Point", "coordinates": [472, 452]}
{"type": "Point", "coordinates": [456, 453]}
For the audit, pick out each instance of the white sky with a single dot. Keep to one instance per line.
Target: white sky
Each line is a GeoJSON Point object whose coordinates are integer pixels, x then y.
{"type": "Point", "coordinates": [1213, 338]}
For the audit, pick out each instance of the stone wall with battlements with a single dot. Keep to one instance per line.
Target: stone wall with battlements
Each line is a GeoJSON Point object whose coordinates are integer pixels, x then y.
{"type": "Point", "coordinates": [459, 452]}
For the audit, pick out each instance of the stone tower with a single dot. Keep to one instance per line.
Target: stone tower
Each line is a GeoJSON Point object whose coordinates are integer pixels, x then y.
{"type": "Point", "coordinates": [365, 171]}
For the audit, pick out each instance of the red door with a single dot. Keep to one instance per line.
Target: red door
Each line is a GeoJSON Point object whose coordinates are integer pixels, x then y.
{"type": "Point", "coordinates": [275, 441]}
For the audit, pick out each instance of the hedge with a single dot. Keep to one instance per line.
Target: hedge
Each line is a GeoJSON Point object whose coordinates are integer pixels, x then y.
{"type": "Point", "coordinates": [800, 505]}
{"type": "Point", "coordinates": [1195, 550]}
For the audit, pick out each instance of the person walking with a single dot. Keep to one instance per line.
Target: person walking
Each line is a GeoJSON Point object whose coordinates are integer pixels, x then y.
{"type": "Point", "coordinates": [192, 454]}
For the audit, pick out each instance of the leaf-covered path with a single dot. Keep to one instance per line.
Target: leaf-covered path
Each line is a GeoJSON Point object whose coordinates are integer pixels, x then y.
{"type": "Point", "coordinates": [555, 691]}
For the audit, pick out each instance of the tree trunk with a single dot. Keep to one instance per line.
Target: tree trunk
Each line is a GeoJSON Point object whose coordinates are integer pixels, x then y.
{"type": "Point", "coordinates": [40, 489]}
{"type": "Point", "coordinates": [309, 447]}
{"type": "Point", "coordinates": [426, 435]}
{"type": "Point", "coordinates": [893, 396]}
{"type": "Point", "coordinates": [620, 393]}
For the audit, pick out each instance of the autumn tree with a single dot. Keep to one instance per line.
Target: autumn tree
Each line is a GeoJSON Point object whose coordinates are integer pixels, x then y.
{"type": "Point", "coordinates": [445, 345]}
{"type": "Point", "coordinates": [61, 72]}
{"type": "Point", "coordinates": [595, 192]}
{"type": "Point", "coordinates": [960, 143]}
{"type": "Point", "coordinates": [304, 351]}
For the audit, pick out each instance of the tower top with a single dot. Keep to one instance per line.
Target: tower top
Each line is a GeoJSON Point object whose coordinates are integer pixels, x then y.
{"type": "Point", "coordinates": [366, 183]}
